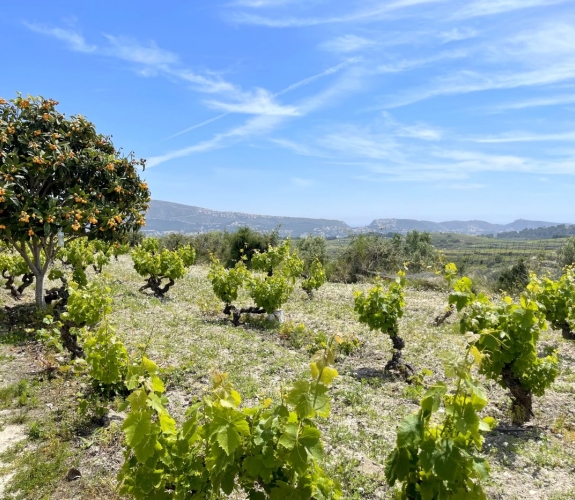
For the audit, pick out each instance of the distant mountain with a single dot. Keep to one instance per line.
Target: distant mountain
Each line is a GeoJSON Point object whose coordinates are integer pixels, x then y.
{"type": "Point", "coordinates": [539, 233]}
{"type": "Point", "coordinates": [165, 217]}
{"type": "Point", "coordinates": [475, 227]}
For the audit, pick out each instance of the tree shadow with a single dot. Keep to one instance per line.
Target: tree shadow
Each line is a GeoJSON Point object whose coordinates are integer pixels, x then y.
{"type": "Point", "coordinates": [507, 440]}
{"type": "Point", "coordinates": [16, 320]}
{"type": "Point", "coordinates": [367, 373]}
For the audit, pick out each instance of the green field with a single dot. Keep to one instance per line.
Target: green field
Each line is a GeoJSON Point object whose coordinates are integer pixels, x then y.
{"type": "Point", "coordinates": [485, 255]}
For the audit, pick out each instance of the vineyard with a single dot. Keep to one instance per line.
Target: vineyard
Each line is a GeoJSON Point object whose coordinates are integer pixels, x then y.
{"type": "Point", "coordinates": [151, 372]}
{"type": "Point", "coordinates": [227, 366]}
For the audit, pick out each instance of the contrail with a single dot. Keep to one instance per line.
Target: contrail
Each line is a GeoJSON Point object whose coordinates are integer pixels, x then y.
{"type": "Point", "coordinates": [327, 72]}
{"type": "Point", "coordinates": [198, 125]}
{"type": "Point", "coordinates": [291, 87]}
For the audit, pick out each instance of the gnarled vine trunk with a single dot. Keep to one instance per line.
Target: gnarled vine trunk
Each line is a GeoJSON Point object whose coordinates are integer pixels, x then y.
{"type": "Point", "coordinates": [521, 398]}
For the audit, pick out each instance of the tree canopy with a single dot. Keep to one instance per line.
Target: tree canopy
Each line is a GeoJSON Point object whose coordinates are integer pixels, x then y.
{"type": "Point", "coordinates": [59, 174]}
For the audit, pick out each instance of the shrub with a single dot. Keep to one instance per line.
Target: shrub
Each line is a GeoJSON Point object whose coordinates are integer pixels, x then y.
{"type": "Point", "coordinates": [310, 249]}
{"type": "Point", "coordinates": [245, 242]}
{"type": "Point", "coordinates": [566, 254]}
{"type": "Point", "coordinates": [514, 279]}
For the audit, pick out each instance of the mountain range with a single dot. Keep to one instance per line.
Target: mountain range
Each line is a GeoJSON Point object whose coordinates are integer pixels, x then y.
{"type": "Point", "coordinates": [165, 217]}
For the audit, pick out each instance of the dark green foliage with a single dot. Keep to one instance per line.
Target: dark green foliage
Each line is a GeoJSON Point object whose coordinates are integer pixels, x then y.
{"type": "Point", "coordinates": [57, 174]}
{"type": "Point", "coordinates": [366, 253]}
{"type": "Point", "coordinates": [173, 241]}
{"type": "Point", "coordinates": [215, 243]}
{"type": "Point", "coordinates": [566, 254]}
{"type": "Point", "coordinates": [312, 248]}
{"type": "Point", "coordinates": [418, 250]}
{"type": "Point", "coordinates": [514, 279]}
{"type": "Point", "coordinates": [373, 253]}
{"type": "Point", "coordinates": [246, 241]}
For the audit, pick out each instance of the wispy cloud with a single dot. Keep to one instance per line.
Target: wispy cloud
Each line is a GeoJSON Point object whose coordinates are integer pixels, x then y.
{"type": "Point", "coordinates": [527, 137]}
{"type": "Point", "coordinates": [467, 81]}
{"type": "Point", "coordinates": [490, 7]}
{"type": "Point", "coordinates": [297, 112]}
{"type": "Point", "coordinates": [255, 126]}
{"type": "Point", "coordinates": [457, 34]}
{"type": "Point", "coordinates": [132, 50]}
{"type": "Point", "coordinates": [347, 43]}
{"type": "Point", "coordinates": [378, 12]}
{"type": "Point", "coordinates": [258, 102]}
{"type": "Point", "coordinates": [557, 100]}
{"type": "Point", "coordinates": [73, 40]}
{"type": "Point", "coordinates": [408, 64]}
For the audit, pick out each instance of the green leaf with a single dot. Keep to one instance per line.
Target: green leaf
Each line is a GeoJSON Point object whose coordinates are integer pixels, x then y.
{"type": "Point", "coordinates": [397, 466]}
{"type": "Point", "coordinates": [285, 491]}
{"type": "Point", "coordinates": [158, 385]}
{"type": "Point", "coordinates": [289, 437]}
{"type": "Point", "coordinates": [410, 431]}
{"type": "Point", "coordinates": [432, 398]}
{"type": "Point", "coordinates": [254, 465]}
{"type": "Point", "coordinates": [301, 398]}
{"type": "Point", "coordinates": [229, 425]}
{"type": "Point", "coordinates": [167, 424]}
{"type": "Point", "coordinates": [446, 461]}
{"type": "Point", "coordinates": [137, 428]}
{"type": "Point", "coordinates": [481, 467]}
{"type": "Point", "coordinates": [150, 366]}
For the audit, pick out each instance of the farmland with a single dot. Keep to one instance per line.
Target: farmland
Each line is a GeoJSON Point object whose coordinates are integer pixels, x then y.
{"type": "Point", "coordinates": [64, 425]}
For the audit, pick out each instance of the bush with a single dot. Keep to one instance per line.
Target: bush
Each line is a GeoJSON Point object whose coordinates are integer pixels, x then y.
{"type": "Point", "coordinates": [174, 241]}
{"type": "Point", "coordinates": [366, 253]}
{"type": "Point", "coordinates": [514, 279]}
{"type": "Point", "coordinates": [214, 243]}
{"type": "Point", "coordinates": [246, 242]}
{"type": "Point", "coordinates": [312, 248]}
{"type": "Point", "coordinates": [566, 254]}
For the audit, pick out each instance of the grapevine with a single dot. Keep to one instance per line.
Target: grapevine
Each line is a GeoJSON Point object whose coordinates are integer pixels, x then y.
{"type": "Point", "coordinates": [437, 449]}
{"type": "Point", "coordinates": [269, 451]}
{"type": "Point", "coordinates": [13, 266]}
{"type": "Point", "coordinates": [270, 283]}
{"type": "Point", "coordinates": [507, 334]}
{"type": "Point", "coordinates": [381, 311]}
{"type": "Point", "coordinates": [315, 279]}
{"type": "Point", "coordinates": [557, 300]}
{"type": "Point", "coordinates": [157, 266]}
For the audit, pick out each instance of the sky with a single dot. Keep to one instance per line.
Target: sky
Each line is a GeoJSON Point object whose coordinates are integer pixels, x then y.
{"type": "Point", "coordinates": [351, 110]}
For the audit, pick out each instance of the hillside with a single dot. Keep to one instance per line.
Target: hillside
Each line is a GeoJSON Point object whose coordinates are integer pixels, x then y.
{"type": "Point", "coordinates": [165, 216]}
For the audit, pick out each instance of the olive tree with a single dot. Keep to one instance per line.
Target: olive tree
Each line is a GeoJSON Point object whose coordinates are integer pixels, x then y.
{"type": "Point", "coordinates": [58, 175]}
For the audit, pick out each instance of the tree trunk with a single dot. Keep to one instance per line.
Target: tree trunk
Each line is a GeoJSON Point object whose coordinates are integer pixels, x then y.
{"type": "Point", "coordinates": [40, 302]}
{"type": "Point", "coordinates": [567, 333]}
{"type": "Point", "coordinates": [521, 398]}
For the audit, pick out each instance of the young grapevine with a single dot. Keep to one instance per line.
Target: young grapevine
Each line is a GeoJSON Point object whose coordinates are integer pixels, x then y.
{"type": "Point", "coordinates": [437, 449]}
{"type": "Point", "coordinates": [381, 310]}
{"type": "Point", "coordinates": [557, 300]}
{"type": "Point", "coordinates": [268, 451]}
{"type": "Point", "coordinates": [507, 336]}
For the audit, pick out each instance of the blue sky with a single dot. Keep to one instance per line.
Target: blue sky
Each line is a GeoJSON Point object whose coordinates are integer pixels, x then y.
{"type": "Point", "coordinates": [353, 110]}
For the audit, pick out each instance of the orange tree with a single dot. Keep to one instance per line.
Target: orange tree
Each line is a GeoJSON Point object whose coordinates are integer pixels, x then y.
{"type": "Point", "coordinates": [59, 174]}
